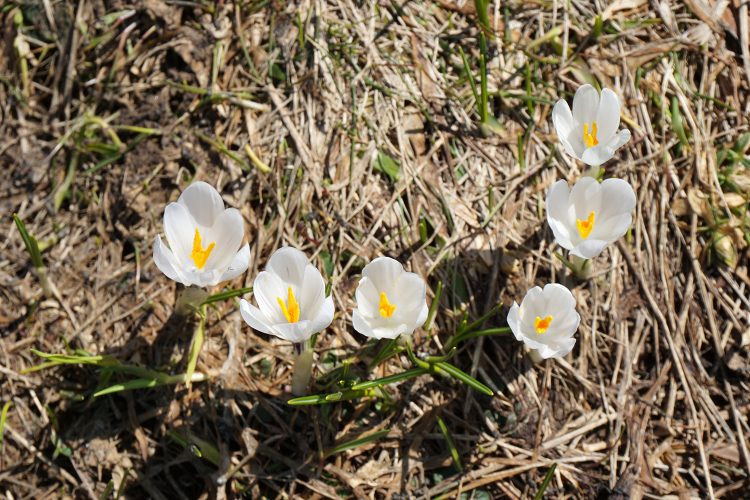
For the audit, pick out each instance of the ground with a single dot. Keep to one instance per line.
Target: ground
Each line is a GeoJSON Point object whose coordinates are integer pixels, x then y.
{"type": "Point", "coordinates": [350, 130]}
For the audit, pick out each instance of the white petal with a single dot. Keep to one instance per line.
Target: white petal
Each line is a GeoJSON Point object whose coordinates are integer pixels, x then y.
{"type": "Point", "coordinates": [312, 293]}
{"type": "Point", "coordinates": [289, 264]}
{"type": "Point", "coordinates": [179, 228]}
{"type": "Point", "coordinates": [267, 289]}
{"type": "Point", "coordinates": [588, 249]}
{"type": "Point", "coordinates": [559, 212]}
{"type": "Point", "coordinates": [361, 324]}
{"type": "Point", "coordinates": [203, 202]}
{"type": "Point", "coordinates": [586, 198]}
{"type": "Point", "coordinates": [255, 317]}
{"type": "Point", "coordinates": [422, 317]}
{"type": "Point", "coordinates": [613, 228]}
{"type": "Point", "coordinates": [533, 305]}
{"type": "Point", "coordinates": [514, 321]}
{"type": "Point", "coordinates": [620, 139]}
{"type": "Point", "coordinates": [409, 293]}
{"type": "Point", "coordinates": [294, 332]}
{"type": "Point", "coordinates": [368, 298]}
{"type": "Point", "coordinates": [384, 272]}
{"type": "Point", "coordinates": [227, 233]}
{"type": "Point", "coordinates": [324, 317]}
{"type": "Point", "coordinates": [585, 105]}
{"type": "Point", "coordinates": [558, 298]}
{"type": "Point", "coordinates": [607, 116]}
{"type": "Point", "coordinates": [166, 262]}
{"type": "Point", "coordinates": [597, 155]}
{"type": "Point", "coordinates": [239, 264]}
{"type": "Point", "coordinates": [565, 127]}
{"type": "Point", "coordinates": [618, 199]}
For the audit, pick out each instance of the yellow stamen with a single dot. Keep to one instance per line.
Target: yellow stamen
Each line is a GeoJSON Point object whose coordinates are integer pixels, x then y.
{"type": "Point", "coordinates": [585, 226]}
{"type": "Point", "coordinates": [590, 140]}
{"type": "Point", "coordinates": [199, 255]}
{"type": "Point", "coordinates": [386, 308]}
{"type": "Point", "coordinates": [290, 308]}
{"type": "Point", "coordinates": [541, 324]}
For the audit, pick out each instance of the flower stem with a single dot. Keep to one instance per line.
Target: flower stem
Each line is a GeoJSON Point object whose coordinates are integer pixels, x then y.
{"type": "Point", "coordinates": [189, 300]}
{"type": "Point", "coordinates": [581, 267]}
{"type": "Point", "coordinates": [196, 345]}
{"type": "Point", "coordinates": [303, 363]}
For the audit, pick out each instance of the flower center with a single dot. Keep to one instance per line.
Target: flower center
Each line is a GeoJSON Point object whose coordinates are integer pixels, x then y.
{"type": "Point", "coordinates": [199, 254]}
{"type": "Point", "coordinates": [589, 139]}
{"type": "Point", "coordinates": [291, 307]}
{"type": "Point", "coordinates": [541, 324]}
{"type": "Point", "coordinates": [585, 226]}
{"type": "Point", "coordinates": [386, 308]}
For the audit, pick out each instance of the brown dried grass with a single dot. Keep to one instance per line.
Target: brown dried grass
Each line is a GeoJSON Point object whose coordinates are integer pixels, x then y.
{"type": "Point", "coordinates": [653, 400]}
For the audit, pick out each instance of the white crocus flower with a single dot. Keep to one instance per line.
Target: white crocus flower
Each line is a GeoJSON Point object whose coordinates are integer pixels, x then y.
{"type": "Point", "coordinates": [590, 133]}
{"type": "Point", "coordinates": [591, 215]}
{"type": "Point", "coordinates": [546, 320]}
{"type": "Point", "coordinates": [390, 301]}
{"type": "Point", "coordinates": [205, 239]}
{"type": "Point", "coordinates": [291, 296]}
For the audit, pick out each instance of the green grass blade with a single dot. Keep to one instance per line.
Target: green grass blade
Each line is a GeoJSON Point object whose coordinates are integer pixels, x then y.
{"type": "Point", "coordinates": [356, 443]}
{"type": "Point", "coordinates": [334, 397]}
{"type": "Point", "coordinates": [451, 444]}
{"type": "Point", "coordinates": [464, 377]}
{"type": "Point", "coordinates": [3, 418]}
{"type": "Point", "coordinates": [547, 478]}
{"type": "Point", "coordinates": [434, 306]}
{"type": "Point", "coordinates": [229, 294]}
{"type": "Point", "coordinates": [30, 242]}
{"type": "Point", "coordinates": [391, 379]}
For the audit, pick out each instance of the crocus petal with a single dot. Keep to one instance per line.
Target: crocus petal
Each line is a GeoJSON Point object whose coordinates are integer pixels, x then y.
{"type": "Point", "coordinates": [383, 272]}
{"type": "Point", "coordinates": [239, 264]}
{"type": "Point", "coordinates": [514, 321]}
{"type": "Point", "coordinates": [585, 104]}
{"type": "Point", "coordinates": [588, 249]}
{"type": "Point", "coordinates": [324, 317]}
{"type": "Point", "coordinates": [586, 197]}
{"type": "Point", "coordinates": [294, 332]}
{"type": "Point", "coordinates": [255, 317]}
{"type": "Point", "coordinates": [558, 212]}
{"type": "Point", "coordinates": [361, 324]}
{"type": "Point", "coordinates": [289, 264]}
{"type": "Point", "coordinates": [558, 298]}
{"type": "Point", "coordinates": [367, 297]}
{"type": "Point", "coordinates": [597, 155]}
{"type": "Point", "coordinates": [227, 234]}
{"type": "Point", "coordinates": [565, 127]}
{"type": "Point", "coordinates": [619, 139]}
{"type": "Point", "coordinates": [409, 292]}
{"type": "Point", "coordinates": [268, 288]}
{"type": "Point", "coordinates": [203, 202]}
{"type": "Point", "coordinates": [179, 228]}
{"type": "Point", "coordinates": [312, 293]}
{"type": "Point", "coordinates": [422, 317]}
{"type": "Point", "coordinates": [607, 116]}
{"type": "Point", "coordinates": [166, 261]}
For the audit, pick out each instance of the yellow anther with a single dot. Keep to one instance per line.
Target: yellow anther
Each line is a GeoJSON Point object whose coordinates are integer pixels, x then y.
{"type": "Point", "coordinates": [386, 308]}
{"type": "Point", "coordinates": [585, 226]}
{"type": "Point", "coordinates": [290, 308]}
{"type": "Point", "coordinates": [541, 324]}
{"type": "Point", "coordinates": [590, 140]}
{"type": "Point", "coordinates": [199, 255]}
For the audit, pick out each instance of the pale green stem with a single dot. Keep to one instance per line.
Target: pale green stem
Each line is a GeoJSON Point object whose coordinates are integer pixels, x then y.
{"type": "Point", "coordinates": [303, 364]}
{"type": "Point", "coordinates": [581, 267]}
{"type": "Point", "coordinates": [189, 300]}
{"type": "Point", "coordinates": [196, 345]}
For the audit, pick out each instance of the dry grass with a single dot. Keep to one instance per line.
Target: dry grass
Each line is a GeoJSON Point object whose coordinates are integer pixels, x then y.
{"type": "Point", "coordinates": [653, 400]}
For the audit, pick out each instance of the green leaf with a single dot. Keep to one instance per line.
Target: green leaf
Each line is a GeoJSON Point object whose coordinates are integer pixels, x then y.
{"type": "Point", "coordinates": [547, 478]}
{"type": "Point", "coordinates": [464, 377]}
{"type": "Point", "coordinates": [451, 444]}
{"type": "Point", "coordinates": [391, 379]}
{"type": "Point", "coordinates": [30, 242]}
{"type": "Point", "coordinates": [677, 123]}
{"type": "Point", "coordinates": [356, 443]}
{"type": "Point", "coordinates": [388, 166]}
{"type": "Point", "coordinates": [3, 418]}
{"type": "Point", "coordinates": [334, 397]}
{"type": "Point", "coordinates": [229, 294]}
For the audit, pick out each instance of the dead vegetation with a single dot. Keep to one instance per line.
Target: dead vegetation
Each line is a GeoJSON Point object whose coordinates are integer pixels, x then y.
{"type": "Point", "coordinates": [349, 129]}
